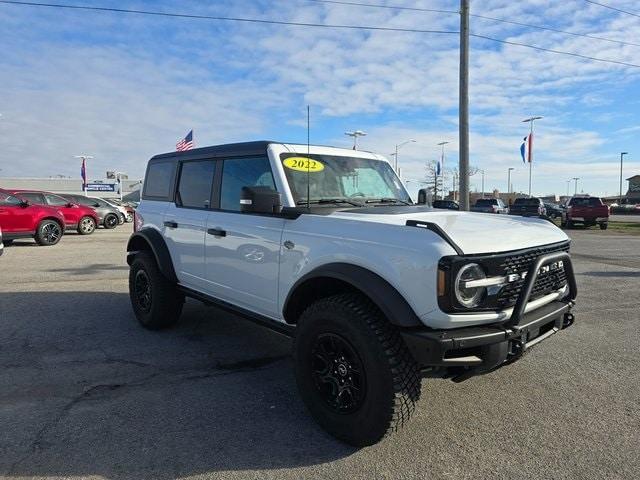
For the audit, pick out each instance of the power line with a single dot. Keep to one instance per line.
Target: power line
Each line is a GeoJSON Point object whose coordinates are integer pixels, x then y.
{"type": "Point", "coordinates": [475, 15]}
{"type": "Point", "coordinates": [613, 8]}
{"type": "Point", "coordinates": [306, 24]}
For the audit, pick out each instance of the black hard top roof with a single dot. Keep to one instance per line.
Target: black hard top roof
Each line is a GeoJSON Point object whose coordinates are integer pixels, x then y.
{"type": "Point", "coordinates": [244, 148]}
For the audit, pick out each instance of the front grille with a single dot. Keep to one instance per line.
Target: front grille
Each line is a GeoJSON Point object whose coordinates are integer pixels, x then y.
{"type": "Point", "coordinates": [546, 282]}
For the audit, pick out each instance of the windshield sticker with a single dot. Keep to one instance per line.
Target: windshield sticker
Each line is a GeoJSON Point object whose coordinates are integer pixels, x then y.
{"type": "Point", "coordinates": [302, 164]}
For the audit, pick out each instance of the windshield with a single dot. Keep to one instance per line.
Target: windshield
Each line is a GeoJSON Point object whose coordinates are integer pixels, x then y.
{"type": "Point", "coordinates": [585, 202]}
{"type": "Point", "coordinates": [333, 178]}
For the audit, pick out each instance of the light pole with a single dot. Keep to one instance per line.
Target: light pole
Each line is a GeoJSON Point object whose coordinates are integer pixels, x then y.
{"type": "Point", "coordinates": [442, 144]}
{"type": "Point", "coordinates": [84, 170]}
{"type": "Point", "coordinates": [509, 179]}
{"type": "Point", "coordinates": [622, 154]}
{"type": "Point", "coordinates": [568, 182]}
{"type": "Point", "coordinates": [398, 145]}
{"type": "Point", "coordinates": [575, 191]}
{"type": "Point", "coordinates": [530, 120]}
{"type": "Point", "coordinates": [355, 134]}
{"type": "Point", "coordinates": [482, 183]}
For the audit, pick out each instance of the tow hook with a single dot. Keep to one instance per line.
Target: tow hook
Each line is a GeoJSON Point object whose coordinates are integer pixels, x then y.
{"type": "Point", "coordinates": [567, 320]}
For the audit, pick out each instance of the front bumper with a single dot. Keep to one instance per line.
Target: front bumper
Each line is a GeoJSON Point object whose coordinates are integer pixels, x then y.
{"type": "Point", "coordinates": [483, 348]}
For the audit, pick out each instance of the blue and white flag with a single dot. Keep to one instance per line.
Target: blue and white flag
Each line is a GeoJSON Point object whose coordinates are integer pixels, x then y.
{"type": "Point", "coordinates": [438, 168]}
{"type": "Point", "coordinates": [526, 148]}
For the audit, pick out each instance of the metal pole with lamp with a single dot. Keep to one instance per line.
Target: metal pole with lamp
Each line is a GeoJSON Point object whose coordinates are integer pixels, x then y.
{"type": "Point", "coordinates": [396, 154]}
{"type": "Point", "coordinates": [509, 179]}
{"type": "Point", "coordinates": [355, 134]}
{"type": "Point", "coordinates": [482, 183]}
{"type": "Point", "coordinates": [575, 191]}
{"type": "Point", "coordinates": [442, 144]}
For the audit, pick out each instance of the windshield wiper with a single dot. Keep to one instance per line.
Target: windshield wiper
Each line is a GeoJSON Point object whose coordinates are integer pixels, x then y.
{"type": "Point", "coordinates": [328, 201]}
{"type": "Point", "coordinates": [387, 200]}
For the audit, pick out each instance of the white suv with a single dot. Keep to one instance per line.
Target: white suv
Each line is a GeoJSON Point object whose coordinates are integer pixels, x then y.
{"type": "Point", "coordinates": [325, 245]}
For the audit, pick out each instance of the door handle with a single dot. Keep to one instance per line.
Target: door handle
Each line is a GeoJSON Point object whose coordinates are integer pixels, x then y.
{"type": "Point", "coordinates": [217, 232]}
{"type": "Point", "coordinates": [171, 224]}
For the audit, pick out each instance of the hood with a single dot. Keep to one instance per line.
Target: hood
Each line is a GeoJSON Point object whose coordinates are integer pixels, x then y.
{"type": "Point", "coordinates": [473, 233]}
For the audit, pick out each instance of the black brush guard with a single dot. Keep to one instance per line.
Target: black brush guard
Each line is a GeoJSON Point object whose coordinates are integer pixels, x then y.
{"type": "Point", "coordinates": [483, 348]}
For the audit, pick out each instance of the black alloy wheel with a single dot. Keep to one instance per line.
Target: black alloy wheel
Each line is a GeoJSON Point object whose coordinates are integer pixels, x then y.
{"type": "Point", "coordinates": [338, 373]}
{"type": "Point", "coordinates": [142, 288]}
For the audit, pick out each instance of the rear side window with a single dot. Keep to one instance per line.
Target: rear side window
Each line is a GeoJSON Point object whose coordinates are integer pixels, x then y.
{"type": "Point", "coordinates": [527, 201]}
{"type": "Point", "coordinates": [195, 184]}
{"type": "Point", "coordinates": [55, 200]}
{"type": "Point", "coordinates": [9, 200]}
{"type": "Point", "coordinates": [158, 183]}
{"type": "Point", "coordinates": [243, 172]}
{"type": "Point", "coordinates": [33, 197]}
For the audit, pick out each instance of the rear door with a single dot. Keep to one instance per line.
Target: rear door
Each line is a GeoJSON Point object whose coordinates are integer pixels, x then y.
{"type": "Point", "coordinates": [185, 221]}
{"type": "Point", "coordinates": [242, 249]}
{"type": "Point", "coordinates": [71, 214]}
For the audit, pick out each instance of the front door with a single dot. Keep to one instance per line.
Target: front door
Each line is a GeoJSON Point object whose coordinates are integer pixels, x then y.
{"type": "Point", "coordinates": [14, 216]}
{"type": "Point", "coordinates": [243, 250]}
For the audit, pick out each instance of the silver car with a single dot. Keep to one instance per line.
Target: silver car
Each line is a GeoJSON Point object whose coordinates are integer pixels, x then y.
{"type": "Point", "coordinates": [108, 216]}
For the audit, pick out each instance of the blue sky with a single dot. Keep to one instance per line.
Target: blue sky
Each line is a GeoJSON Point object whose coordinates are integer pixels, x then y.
{"type": "Point", "coordinates": [124, 87]}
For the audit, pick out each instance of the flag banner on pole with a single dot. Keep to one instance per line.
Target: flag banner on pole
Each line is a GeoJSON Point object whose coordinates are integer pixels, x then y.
{"type": "Point", "coordinates": [185, 143]}
{"type": "Point", "coordinates": [438, 168]}
{"type": "Point", "coordinates": [83, 174]}
{"type": "Point", "coordinates": [526, 148]}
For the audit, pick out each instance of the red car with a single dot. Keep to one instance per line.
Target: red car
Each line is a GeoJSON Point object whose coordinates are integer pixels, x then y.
{"type": "Point", "coordinates": [81, 218]}
{"type": "Point", "coordinates": [20, 219]}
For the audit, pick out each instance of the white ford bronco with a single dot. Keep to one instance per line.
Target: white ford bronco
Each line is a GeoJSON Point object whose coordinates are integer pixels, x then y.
{"type": "Point", "coordinates": [325, 245]}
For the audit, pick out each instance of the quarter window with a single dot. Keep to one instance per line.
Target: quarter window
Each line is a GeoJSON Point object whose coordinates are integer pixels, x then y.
{"type": "Point", "coordinates": [55, 200]}
{"type": "Point", "coordinates": [196, 182]}
{"type": "Point", "coordinates": [243, 172]}
{"type": "Point", "coordinates": [159, 180]}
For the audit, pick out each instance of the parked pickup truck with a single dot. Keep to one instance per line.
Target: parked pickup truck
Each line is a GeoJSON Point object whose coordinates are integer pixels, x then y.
{"type": "Point", "coordinates": [325, 245]}
{"type": "Point", "coordinates": [490, 205]}
{"type": "Point", "coordinates": [586, 210]}
{"type": "Point", "coordinates": [528, 207]}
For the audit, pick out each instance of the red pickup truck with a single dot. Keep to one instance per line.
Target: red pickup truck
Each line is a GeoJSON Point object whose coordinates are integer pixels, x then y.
{"type": "Point", "coordinates": [587, 211]}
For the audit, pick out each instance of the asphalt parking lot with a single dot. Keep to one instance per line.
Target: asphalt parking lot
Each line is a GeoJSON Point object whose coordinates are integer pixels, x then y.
{"type": "Point", "coordinates": [86, 392]}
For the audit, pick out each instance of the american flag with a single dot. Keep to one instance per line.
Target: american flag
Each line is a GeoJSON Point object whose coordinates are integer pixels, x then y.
{"type": "Point", "coordinates": [185, 143]}
{"type": "Point", "coordinates": [83, 173]}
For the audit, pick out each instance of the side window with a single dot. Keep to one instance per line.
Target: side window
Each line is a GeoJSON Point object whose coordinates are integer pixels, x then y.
{"type": "Point", "coordinates": [7, 200]}
{"type": "Point", "coordinates": [195, 184]}
{"type": "Point", "coordinates": [33, 197]}
{"type": "Point", "coordinates": [159, 180]}
{"type": "Point", "coordinates": [55, 200]}
{"type": "Point", "coordinates": [243, 172]}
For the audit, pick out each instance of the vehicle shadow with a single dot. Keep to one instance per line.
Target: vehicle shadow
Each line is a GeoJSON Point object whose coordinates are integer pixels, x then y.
{"type": "Point", "coordinates": [612, 274]}
{"type": "Point", "coordinates": [90, 269]}
{"type": "Point", "coordinates": [87, 391]}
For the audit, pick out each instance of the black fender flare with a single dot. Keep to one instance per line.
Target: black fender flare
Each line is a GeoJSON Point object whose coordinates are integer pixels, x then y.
{"type": "Point", "coordinates": [156, 244]}
{"type": "Point", "coordinates": [390, 302]}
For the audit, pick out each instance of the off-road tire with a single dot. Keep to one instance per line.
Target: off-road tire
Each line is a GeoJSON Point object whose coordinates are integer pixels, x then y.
{"type": "Point", "coordinates": [48, 233]}
{"type": "Point", "coordinates": [164, 303]}
{"type": "Point", "coordinates": [86, 226]}
{"type": "Point", "coordinates": [110, 221]}
{"type": "Point", "coordinates": [392, 379]}
{"type": "Point", "coordinates": [603, 226]}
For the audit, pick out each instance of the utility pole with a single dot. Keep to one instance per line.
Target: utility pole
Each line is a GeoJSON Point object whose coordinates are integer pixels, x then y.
{"type": "Point", "coordinates": [355, 134]}
{"type": "Point", "coordinates": [441, 144]}
{"type": "Point", "coordinates": [622, 154]}
{"type": "Point", "coordinates": [509, 179]}
{"type": "Point", "coordinates": [568, 182]}
{"type": "Point", "coordinates": [463, 121]}
{"type": "Point", "coordinates": [575, 191]}
{"type": "Point", "coordinates": [482, 183]}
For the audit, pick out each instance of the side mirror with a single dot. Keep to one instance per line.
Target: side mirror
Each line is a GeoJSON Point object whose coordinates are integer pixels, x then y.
{"type": "Point", "coordinates": [455, 207]}
{"type": "Point", "coordinates": [422, 196]}
{"type": "Point", "coordinates": [24, 203]}
{"type": "Point", "coordinates": [260, 200]}
{"type": "Point", "coordinates": [69, 205]}
{"type": "Point", "coordinates": [95, 205]}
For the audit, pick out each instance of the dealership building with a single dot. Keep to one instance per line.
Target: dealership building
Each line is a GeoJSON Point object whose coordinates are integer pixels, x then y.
{"type": "Point", "coordinates": [105, 188]}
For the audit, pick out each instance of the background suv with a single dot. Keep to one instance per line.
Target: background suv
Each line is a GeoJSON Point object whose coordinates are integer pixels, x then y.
{"type": "Point", "coordinates": [20, 219]}
{"type": "Point", "coordinates": [108, 216]}
{"type": "Point", "coordinates": [78, 217]}
{"type": "Point", "coordinates": [490, 205]}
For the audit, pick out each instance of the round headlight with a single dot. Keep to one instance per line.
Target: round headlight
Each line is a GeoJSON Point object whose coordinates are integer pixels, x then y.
{"type": "Point", "coordinates": [469, 296]}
